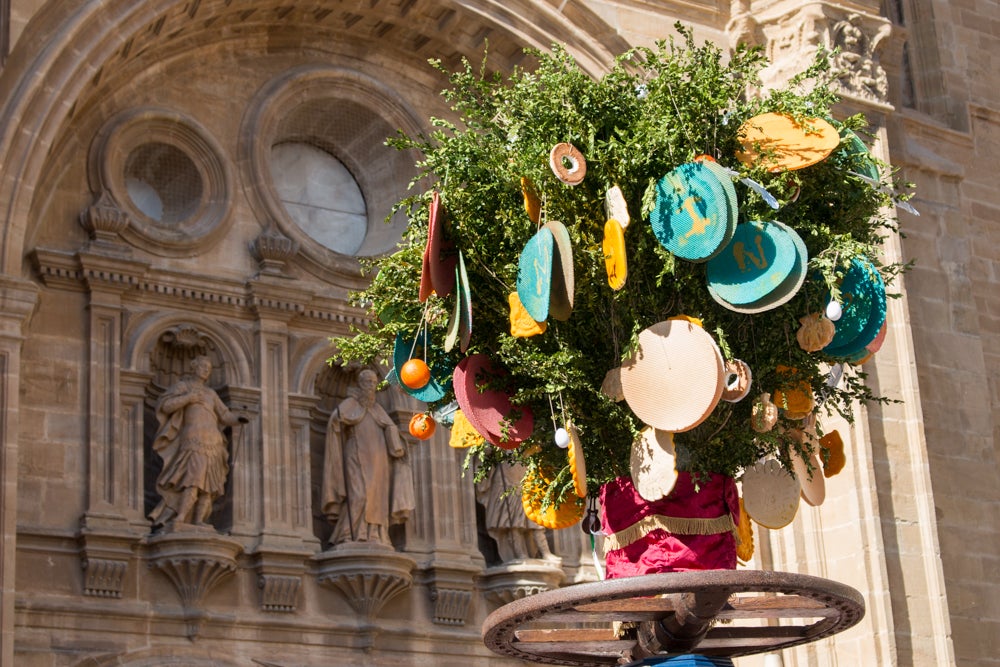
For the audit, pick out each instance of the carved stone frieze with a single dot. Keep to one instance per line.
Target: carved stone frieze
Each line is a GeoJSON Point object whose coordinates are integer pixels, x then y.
{"type": "Point", "coordinates": [792, 33]}
{"type": "Point", "coordinates": [279, 592]}
{"type": "Point", "coordinates": [451, 583]}
{"type": "Point", "coordinates": [451, 606]}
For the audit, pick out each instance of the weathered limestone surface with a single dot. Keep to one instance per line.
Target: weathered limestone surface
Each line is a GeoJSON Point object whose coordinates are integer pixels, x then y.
{"type": "Point", "coordinates": [101, 303]}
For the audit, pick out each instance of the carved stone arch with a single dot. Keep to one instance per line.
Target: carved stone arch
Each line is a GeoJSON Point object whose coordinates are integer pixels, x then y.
{"type": "Point", "coordinates": [143, 333]}
{"type": "Point", "coordinates": [86, 44]}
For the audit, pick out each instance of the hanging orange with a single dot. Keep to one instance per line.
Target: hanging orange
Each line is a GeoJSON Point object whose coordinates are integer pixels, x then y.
{"type": "Point", "coordinates": [415, 374]}
{"type": "Point", "coordinates": [422, 426]}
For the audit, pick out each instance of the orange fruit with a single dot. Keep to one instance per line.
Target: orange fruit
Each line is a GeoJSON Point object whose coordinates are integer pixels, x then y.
{"type": "Point", "coordinates": [415, 374]}
{"type": "Point", "coordinates": [422, 426]}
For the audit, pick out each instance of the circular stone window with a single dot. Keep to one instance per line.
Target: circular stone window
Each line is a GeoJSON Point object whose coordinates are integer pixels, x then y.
{"type": "Point", "coordinates": [167, 173]}
{"type": "Point", "coordinates": [320, 195]}
{"type": "Point", "coordinates": [163, 182]}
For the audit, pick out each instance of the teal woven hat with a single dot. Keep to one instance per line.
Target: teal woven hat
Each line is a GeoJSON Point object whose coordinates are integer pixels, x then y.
{"type": "Point", "coordinates": [402, 351]}
{"type": "Point", "coordinates": [693, 217]}
{"type": "Point", "coordinates": [762, 268]}
{"type": "Point", "coordinates": [534, 274]}
{"type": "Point", "coordinates": [863, 302]}
{"type": "Point", "coordinates": [857, 154]}
{"type": "Point", "coordinates": [563, 280]}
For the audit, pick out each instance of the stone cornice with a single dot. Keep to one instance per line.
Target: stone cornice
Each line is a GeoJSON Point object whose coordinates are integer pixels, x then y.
{"type": "Point", "coordinates": [137, 281]}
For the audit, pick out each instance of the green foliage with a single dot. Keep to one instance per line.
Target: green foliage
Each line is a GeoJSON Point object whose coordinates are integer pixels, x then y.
{"type": "Point", "coordinates": [656, 109]}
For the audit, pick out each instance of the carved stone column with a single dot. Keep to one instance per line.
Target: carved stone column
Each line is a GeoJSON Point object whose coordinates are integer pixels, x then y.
{"type": "Point", "coordinates": [17, 301]}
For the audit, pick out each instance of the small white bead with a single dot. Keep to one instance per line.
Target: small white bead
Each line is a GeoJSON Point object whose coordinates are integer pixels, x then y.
{"type": "Point", "coordinates": [834, 311]}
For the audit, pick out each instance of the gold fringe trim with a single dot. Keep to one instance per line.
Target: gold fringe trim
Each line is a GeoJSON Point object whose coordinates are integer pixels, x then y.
{"type": "Point", "coordinates": [671, 524]}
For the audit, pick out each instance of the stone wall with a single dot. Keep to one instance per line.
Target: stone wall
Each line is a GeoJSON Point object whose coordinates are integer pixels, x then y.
{"type": "Point", "coordinates": [94, 296]}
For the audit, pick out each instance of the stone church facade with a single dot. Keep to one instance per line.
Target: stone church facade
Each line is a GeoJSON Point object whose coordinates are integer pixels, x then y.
{"type": "Point", "coordinates": [164, 171]}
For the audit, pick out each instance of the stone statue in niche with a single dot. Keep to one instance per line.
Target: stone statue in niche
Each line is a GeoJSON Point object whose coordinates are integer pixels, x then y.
{"type": "Point", "coordinates": [193, 448]}
{"type": "Point", "coordinates": [367, 480]}
{"type": "Point", "coordinates": [517, 536]}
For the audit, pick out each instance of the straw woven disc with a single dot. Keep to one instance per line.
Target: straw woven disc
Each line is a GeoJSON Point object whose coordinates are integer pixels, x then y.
{"type": "Point", "coordinates": [653, 464]}
{"type": "Point", "coordinates": [770, 494]}
{"type": "Point", "coordinates": [676, 377]}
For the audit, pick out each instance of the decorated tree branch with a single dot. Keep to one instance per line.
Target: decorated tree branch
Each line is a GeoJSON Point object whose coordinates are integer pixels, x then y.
{"type": "Point", "coordinates": [655, 278]}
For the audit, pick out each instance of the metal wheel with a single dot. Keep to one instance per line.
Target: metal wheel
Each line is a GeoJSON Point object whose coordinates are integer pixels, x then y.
{"type": "Point", "coordinates": [713, 613]}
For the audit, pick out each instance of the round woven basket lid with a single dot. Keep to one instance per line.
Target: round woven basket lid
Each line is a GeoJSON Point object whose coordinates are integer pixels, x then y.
{"type": "Point", "coordinates": [729, 190]}
{"type": "Point", "coordinates": [442, 259]}
{"type": "Point", "coordinates": [813, 488]}
{"type": "Point", "coordinates": [563, 279]}
{"type": "Point", "coordinates": [676, 377]}
{"type": "Point", "coordinates": [489, 410]}
{"type": "Point", "coordinates": [861, 159]}
{"type": "Point", "coordinates": [534, 274]}
{"type": "Point", "coordinates": [692, 217]}
{"type": "Point", "coordinates": [402, 351]}
{"type": "Point", "coordinates": [781, 143]}
{"type": "Point", "coordinates": [863, 302]}
{"type": "Point", "coordinates": [757, 260]}
{"type": "Point", "coordinates": [770, 494]}
{"type": "Point", "coordinates": [783, 291]}
{"type": "Point", "coordinates": [653, 464]}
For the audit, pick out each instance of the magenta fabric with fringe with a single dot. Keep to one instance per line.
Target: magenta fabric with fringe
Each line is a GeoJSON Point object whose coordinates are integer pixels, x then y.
{"type": "Point", "coordinates": [661, 551]}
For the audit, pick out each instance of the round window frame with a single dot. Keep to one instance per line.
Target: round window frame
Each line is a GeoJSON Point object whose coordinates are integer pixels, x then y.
{"type": "Point", "coordinates": [127, 132]}
{"type": "Point", "coordinates": [260, 131]}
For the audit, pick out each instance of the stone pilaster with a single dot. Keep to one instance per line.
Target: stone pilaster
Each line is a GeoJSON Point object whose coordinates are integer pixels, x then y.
{"type": "Point", "coordinates": [17, 302]}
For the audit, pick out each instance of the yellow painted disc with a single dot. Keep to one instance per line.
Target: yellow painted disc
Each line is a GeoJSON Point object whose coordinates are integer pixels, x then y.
{"type": "Point", "coordinates": [521, 323]}
{"type": "Point", "coordinates": [463, 433]}
{"type": "Point", "coordinates": [532, 205]}
{"type": "Point", "coordinates": [614, 254]}
{"type": "Point", "coordinates": [577, 464]}
{"type": "Point", "coordinates": [781, 143]}
{"type": "Point", "coordinates": [533, 490]}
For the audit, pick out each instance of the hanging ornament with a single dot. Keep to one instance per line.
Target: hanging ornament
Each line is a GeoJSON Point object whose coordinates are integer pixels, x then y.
{"type": "Point", "coordinates": [567, 163]}
{"type": "Point", "coordinates": [738, 381]}
{"type": "Point", "coordinates": [532, 205]}
{"type": "Point", "coordinates": [422, 426]}
{"type": "Point", "coordinates": [522, 325]}
{"type": "Point", "coordinates": [415, 374]}
{"type": "Point", "coordinates": [562, 438]}
{"type": "Point", "coordinates": [615, 206]}
{"type": "Point", "coordinates": [835, 458]}
{"type": "Point", "coordinates": [815, 332]}
{"type": "Point", "coordinates": [781, 143]}
{"type": "Point", "coordinates": [615, 261]}
{"type": "Point", "coordinates": [764, 414]}
{"type": "Point", "coordinates": [834, 311]}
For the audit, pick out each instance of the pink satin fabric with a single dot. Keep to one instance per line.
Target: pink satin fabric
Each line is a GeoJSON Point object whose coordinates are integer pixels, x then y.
{"type": "Point", "coordinates": [660, 551]}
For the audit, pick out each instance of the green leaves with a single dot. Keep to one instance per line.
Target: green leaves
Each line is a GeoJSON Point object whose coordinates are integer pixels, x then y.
{"type": "Point", "coordinates": [654, 110]}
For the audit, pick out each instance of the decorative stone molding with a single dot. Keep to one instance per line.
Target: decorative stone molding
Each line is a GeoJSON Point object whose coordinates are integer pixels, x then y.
{"type": "Point", "coordinates": [858, 39]}
{"type": "Point", "coordinates": [154, 149]}
{"type": "Point", "coordinates": [105, 557]}
{"type": "Point", "coordinates": [273, 251]}
{"type": "Point", "coordinates": [104, 221]}
{"type": "Point", "coordinates": [195, 561]}
{"type": "Point", "coordinates": [451, 584]}
{"type": "Point", "coordinates": [451, 606]}
{"type": "Point", "coordinates": [512, 581]}
{"type": "Point", "coordinates": [793, 32]}
{"type": "Point", "coordinates": [366, 574]}
{"type": "Point", "coordinates": [279, 593]}
{"type": "Point", "coordinates": [279, 579]}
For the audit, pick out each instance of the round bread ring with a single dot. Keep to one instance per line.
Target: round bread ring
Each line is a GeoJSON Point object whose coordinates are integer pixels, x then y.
{"type": "Point", "coordinates": [574, 174]}
{"type": "Point", "coordinates": [737, 389]}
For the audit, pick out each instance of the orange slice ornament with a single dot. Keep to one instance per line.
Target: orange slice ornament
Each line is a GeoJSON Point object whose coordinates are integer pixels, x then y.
{"type": "Point", "coordinates": [615, 262]}
{"type": "Point", "coordinates": [781, 143]}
